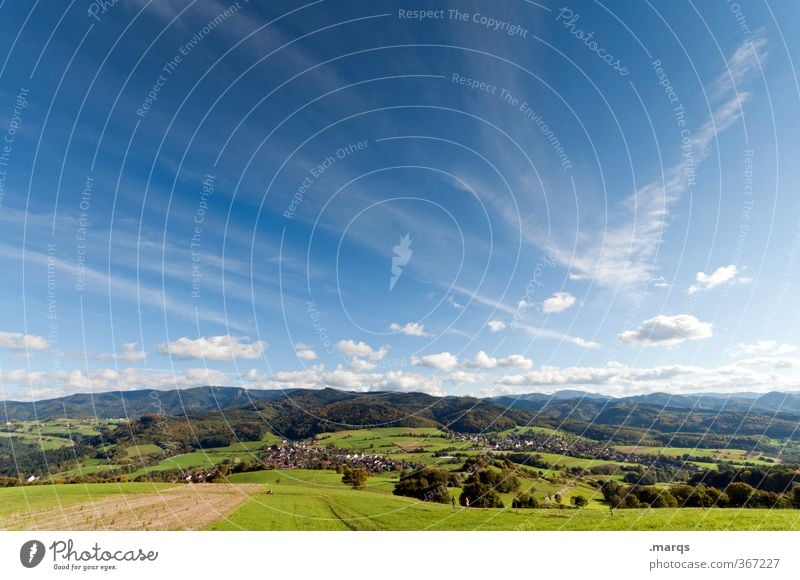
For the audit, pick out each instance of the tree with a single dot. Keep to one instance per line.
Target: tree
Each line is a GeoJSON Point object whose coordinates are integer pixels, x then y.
{"type": "Point", "coordinates": [796, 496]}
{"type": "Point", "coordinates": [479, 490]}
{"type": "Point", "coordinates": [739, 494]}
{"type": "Point", "coordinates": [716, 497]}
{"type": "Point", "coordinates": [477, 494]}
{"type": "Point", "coordinates": [579, 501]}
{"type": "Point", "coordinates": [355, 477]}
{"type": "Point", "coordinates": [427, 484]}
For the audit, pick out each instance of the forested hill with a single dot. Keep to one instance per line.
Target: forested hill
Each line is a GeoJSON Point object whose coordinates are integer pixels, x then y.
{"type": "Point", "coordinates": [300, 413]}
{"type": "Point", "coordinates": [131, 404]}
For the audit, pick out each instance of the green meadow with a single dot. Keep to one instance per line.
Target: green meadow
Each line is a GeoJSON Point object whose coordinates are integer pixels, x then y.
{"type": "Point", "coordinates": [317, 500]}
{"type": "Point", "coordinates": [36, 498]}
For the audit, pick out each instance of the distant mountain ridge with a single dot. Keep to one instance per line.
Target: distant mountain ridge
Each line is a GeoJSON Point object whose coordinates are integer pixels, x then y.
{"type": "Point", "coordinates": [130, 404]}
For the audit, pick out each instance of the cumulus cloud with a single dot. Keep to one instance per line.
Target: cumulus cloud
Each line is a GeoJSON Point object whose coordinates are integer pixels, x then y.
{"type": "Point", "coordinates": [667, 330]}
{"type": "Point", "coordinates": [349, 380]}
{"type": "Point", "coordinates": [464, 377]}
{"type": "Point", "coordinates": [225, 347]}
{"type": "Point", "coordinates": [776, 362]}
{"type": "Point", "coordinates": [619, 379]}
{"type": "Point", "coordinates": [304, 351]}
{"type": "Point", "coordinates": [409, 383]}
{"type": "Point", "coordinates": [719, 277]}
{"type": "Point", "coordinates": [496, 326]}
{"type": "Point", "coordinates": [484, 361]}
{"type": "Point", "coordinates": [40, 384]}
{"type": "Point", "coordinates": [305, 379]}
{"type": "Point", "coordinates": [361, 350]}
{"type": "Point", "coordinates": [19, 341]}
{"type": "Point", "coordinates": [762, 347]}
{"type": "Point", "coordinates": [443, 361]}
{"type": "Point", "coordinates": [129, 352]}
{"type": "Point", "coordinates": [360, 365]}
{"type": "Point", "coordinates": [558, 302]}
{"type": "Point", "coordinates": [410, 329]}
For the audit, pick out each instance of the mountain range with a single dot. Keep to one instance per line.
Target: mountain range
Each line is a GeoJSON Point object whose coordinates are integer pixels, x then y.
{"type": "Point", "coordinates": [298, 413]}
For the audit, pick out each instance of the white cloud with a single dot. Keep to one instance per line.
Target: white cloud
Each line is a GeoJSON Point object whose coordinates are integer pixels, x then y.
{"type": "Point", "coordinates": [762, 347]}
{"type": "Point", "coordinates": [719, 277]}
{"type": "Point", "coordinates": [345, 379]}
{"type": "Point", "coordinates": [360, 365]}
{"type": "Point", "coordinates": [408, 383]}
{"type": "Point", "coordinates": [305, 379]}
{"type": "Point", "coordinates": [464, 378]}
{"type": "Point", "coordinates": [38, 384]}
{"type": "Point", "coordinates": [128, 352]}
{"type": "Point", "coordinates": [452, 302]}
{"type": "Point", "coordinates": [304, 351]}
{"type": "Point", "coordinates": [515, 361]}
{"type": "Point", "coordinates": [496, 326]}
{"type": "Point", "coordinates": [410, 329]}
{"type": "Point", "coordinates": [667, 330]}
{"type": "Point", "coordinates": [19, 341]}
{"type": "Point", "coordinates": [558, 302]}
{"type": "Point", "coordinates": [443, 361]}
{"type": "Point", "coordinates": [484, 361]}
{"type": "Point", "coordinates": [623, 255]}
{"type": "Point", "coordinates": [745, 61]}
{"type": "Point", "coordinates": [660, 282]}
{"type": "Point", "coordinates": [618, 380]}
{"type": "Point", "coordinates": [539, 332]}
{"type": "Point", "coordinates": [776, 362]}
{"type": "Point", "coordinates": [361, 350]}
{"type": "Point", "coordinates": [225, 347]}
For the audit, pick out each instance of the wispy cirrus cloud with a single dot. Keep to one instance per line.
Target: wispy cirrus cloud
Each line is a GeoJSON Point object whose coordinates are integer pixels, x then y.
{"type": "Point", "coordinates": [627, 249]}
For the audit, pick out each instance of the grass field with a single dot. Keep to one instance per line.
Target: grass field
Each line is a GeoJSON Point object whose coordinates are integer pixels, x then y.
{"type": "Point", "coordinates": [37, 498]}
{"type": "Point", "coordinates": [43, 441]}
{"type": "Point", "coordinates": [317, 500]}
{"type": "Point", "coordinates": [389, 440]}
{"type": "Point", "coordinates": [304, 500]}
{"type": "Point", "coordinates": [203, 459]}
{"type": "Point", "coordinates": [727, 455]}
{"type": "Point", "coordinates": [297, 499]}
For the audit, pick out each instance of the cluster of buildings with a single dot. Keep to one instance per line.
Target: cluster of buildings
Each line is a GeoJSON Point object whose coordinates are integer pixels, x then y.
{"type": "Point", "coordinates": [306, 455]}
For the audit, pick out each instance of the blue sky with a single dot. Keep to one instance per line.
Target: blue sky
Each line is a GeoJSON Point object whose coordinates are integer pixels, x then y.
{"type": "Point", "coordinates": [456, 198]}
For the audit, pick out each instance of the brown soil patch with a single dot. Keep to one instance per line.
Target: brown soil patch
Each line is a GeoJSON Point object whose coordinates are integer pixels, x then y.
{"type": "Point", "coordinates": [408, 446]}
{"type": "Point", "coordinates": [187, 507]}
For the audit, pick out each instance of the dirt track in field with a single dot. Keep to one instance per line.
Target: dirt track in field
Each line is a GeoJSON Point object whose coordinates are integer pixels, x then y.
{"type": "Point", "coordinates": [187, 507]}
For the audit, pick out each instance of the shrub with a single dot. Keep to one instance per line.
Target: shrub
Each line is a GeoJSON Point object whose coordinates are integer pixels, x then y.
{"type": "Point", "coordinates": [579, 501]}
{"type": "Point", "coordinates": [524, 501]}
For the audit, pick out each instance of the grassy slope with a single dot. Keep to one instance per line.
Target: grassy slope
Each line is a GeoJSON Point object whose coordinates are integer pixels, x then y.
{"type": "Point", "coordinates": [313, 500]}
{"type": "Point", "coordinates": [317, 500]}
{"type": "Point", "coordinates": [26, 499]}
